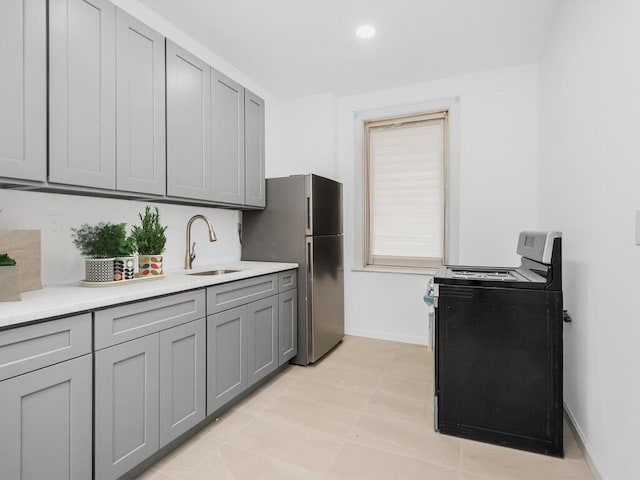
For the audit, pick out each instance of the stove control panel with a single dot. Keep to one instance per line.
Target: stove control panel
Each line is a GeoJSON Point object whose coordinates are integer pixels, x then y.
{"type": "Point", "coordinates": [537, 246]}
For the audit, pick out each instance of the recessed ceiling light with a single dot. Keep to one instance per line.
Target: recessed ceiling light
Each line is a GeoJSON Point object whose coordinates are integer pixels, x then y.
{"type": "Point", "coordinates": [365, 31]}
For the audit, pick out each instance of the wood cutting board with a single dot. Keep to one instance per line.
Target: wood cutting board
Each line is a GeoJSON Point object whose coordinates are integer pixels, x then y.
{"type": "Point", "coordinates": [24, 246]}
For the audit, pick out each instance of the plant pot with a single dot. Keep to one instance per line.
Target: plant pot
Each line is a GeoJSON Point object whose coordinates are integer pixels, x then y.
{"type": "Point", "coordinates": [149, 265]}
{"type": "Point", "coordinates": [123, 268]}
{"type": "Point", "coordinates": [98, 269]}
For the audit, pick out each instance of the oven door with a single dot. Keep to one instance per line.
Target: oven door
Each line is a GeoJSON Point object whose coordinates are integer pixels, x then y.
{"type": "Point", "coordinates": [498, 361]}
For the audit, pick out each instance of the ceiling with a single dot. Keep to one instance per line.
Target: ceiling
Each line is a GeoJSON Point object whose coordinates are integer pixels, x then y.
{"type": "Point", "coordinates": [297, 48]}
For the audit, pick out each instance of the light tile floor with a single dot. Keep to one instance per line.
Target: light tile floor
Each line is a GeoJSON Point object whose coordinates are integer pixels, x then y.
{"type": "Point", "coordinates": [364, 412]}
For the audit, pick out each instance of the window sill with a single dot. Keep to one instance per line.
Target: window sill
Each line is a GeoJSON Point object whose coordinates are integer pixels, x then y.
{"type": "Point", "coordinates": [404, 270]}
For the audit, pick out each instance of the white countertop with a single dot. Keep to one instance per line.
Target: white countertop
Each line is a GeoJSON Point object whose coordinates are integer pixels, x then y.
{"type": "Point", "coordinates": [56, 300]}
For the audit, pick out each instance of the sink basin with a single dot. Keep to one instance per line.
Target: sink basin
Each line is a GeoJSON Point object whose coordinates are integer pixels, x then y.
{"type": "Point", "coordinates": [214, 272]}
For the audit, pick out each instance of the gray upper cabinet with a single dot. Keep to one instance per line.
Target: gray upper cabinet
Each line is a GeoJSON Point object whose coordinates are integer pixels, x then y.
{"type": "Point", "coordinates": [82, 93]}
{"type": "Point", "coordinates": [182, 379]}
{"type": "Point", "coordinates": [188, 125]}
{"type": "Point", "coordinates": [254, 150]}
{"type": "Point", "coordinates": [140, 81]}
{"type": "Point", "coordinates": [45, 420]}
{"type": "Point", "coordinates": [126, 110]}
{"type": "Point", "coordinates": [126, 405]}
{"type": "Point", "coordinates": [23, 89]}
{"type": "Point", "coordinates": [227, 139]}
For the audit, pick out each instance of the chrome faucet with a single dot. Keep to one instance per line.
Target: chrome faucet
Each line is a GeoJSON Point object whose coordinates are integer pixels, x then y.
{"type": "Point", "coordinates": [191, 252]}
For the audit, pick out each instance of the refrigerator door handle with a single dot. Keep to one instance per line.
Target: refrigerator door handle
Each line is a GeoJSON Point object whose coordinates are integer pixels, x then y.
{"type": "Point", "coordinates": [310, 335]}
{"type": "Point", "coordinates": [309, 229]}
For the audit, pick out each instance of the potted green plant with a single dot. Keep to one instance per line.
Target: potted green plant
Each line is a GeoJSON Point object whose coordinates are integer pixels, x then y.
{"type": "Point", "coordinates": [100, 245]}
{"type": "Point", "coordinates": [9, 279]}
{"type": "Point", "coordinates": [150, 239]}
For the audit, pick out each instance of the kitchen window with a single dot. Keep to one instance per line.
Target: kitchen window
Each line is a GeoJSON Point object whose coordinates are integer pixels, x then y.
{"type": "Point", "coordinates": [407, 186]}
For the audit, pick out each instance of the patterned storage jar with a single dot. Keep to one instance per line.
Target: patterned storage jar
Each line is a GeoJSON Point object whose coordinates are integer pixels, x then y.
{"type": "Point", "coordinates": [149, 265]}
{"type": "Point", "coordinates": [98, 269]}
{"type": "Point", "coordinates": [123, 268]}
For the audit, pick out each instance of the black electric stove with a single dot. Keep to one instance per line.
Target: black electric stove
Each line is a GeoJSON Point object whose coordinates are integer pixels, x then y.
{"type": "Point", "coordinates": [498, 349]}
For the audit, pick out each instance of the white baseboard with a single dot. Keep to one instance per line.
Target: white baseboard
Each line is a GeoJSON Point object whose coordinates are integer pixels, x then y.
{"type": "Point", "coordinates": [418, 340]}
{"type": "Point", "coordinates": [581, 440]}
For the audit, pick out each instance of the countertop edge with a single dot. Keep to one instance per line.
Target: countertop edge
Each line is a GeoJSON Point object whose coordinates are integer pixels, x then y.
{"type": "Point", "coordinates": [46, 304]}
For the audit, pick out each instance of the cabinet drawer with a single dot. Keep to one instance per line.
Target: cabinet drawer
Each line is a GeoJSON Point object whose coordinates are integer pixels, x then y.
{"type": "Point", "coordinates": [28, 348]}
{"type": "Point", "coordinates": [287, 280]}
{"type": "Point", "coordinates": [124, 323]}
{"type": "Point", "coordinates": [232, 294]}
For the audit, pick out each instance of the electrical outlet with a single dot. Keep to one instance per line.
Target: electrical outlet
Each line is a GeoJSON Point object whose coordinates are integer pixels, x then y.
{"type": "Point", "coordinates": [54, 224]}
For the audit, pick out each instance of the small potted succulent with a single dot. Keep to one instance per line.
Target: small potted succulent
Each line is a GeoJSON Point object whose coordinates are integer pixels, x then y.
{"type": "Point", "coordinates": [104, 245]}
{"type": "Point", "coordinates": [150, 239]}
{"type": "Point", "coordinates": [9, 279]}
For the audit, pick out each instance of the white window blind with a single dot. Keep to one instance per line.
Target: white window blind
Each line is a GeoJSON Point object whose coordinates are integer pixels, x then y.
{"type": "Point", "coordinates": [405, 194]}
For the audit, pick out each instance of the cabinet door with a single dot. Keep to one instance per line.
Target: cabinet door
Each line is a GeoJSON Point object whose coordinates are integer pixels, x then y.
{"type": "Point", "coordinates": [126, 405]}
{"type": "Point", "coordinates": [287, 325]}
{"type": "Point", "coordinates": [262, 338]}
{"type": "Point", "coordinates": [82, 93]}
{"type": "Point", "coordinates": [23, 89]}
{"type": "Point", "coordinates": [45, 420]}
{"type": "Point", "coordinates": [227, 139]}
{"type": "Point", "coordinates": [141, 163]}
{"type": "Point", "coordinates": [188, 125]}
{"type": "Point", "coordinates": [182, 379]}
{"type": "Point", "coordinates": [226, 356]}
{"type": "Point", "coordinates": [254, 150]}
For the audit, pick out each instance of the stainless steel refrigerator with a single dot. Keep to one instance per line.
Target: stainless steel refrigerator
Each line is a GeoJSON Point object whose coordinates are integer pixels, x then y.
{"type": "Point", "coordinates": [302, 223]}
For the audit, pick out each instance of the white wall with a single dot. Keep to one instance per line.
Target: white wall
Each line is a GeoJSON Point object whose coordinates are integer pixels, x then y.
{"type": "Point", "coordinates": [498, 190]}
{"type": "Point", "coordinates": [498, 176]}
{"type": "Point", "coordinates": [590, 189]}
{"type": "Point", "coordinates": [62, 263]}
{"type": "Point", "coordinates": [303, 137]}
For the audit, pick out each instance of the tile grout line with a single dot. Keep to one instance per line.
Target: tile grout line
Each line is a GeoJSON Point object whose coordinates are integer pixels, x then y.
{"type": "Point", "coordinates": [360, 413]}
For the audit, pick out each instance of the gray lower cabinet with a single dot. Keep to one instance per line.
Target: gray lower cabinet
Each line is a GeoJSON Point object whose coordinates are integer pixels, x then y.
{"type": "Point", "coordinates": [188, 125]}
{"type": "Point", "coordinates": [251, 331]}
{"type": "Point", "coordinates": [23, 89]}
{"type": "Point", "coordinates": [126, 405]}
{"type": "Point", "coordinates": [45, 420]}
{"type": "Point", "coordinates": [287, 325]}
{"type": "Point", "coordinates": [140, 107]}
{"type": "Point", "coordinates": [182, 379]}
{"type": "Point", "coordinates": [226, 356]}
{"type": "Point", "coordinates": [148, 391]}
{"type": "Point", "coordinates": [82, 93]}
{"type": "Point", "coordinates": [254, 150]}
{"type": "Point", "coordinates": [262, 338]}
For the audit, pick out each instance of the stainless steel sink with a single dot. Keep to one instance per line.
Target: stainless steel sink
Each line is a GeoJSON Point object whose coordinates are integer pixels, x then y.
{"type": "Point", "coordinates": [214, 272]}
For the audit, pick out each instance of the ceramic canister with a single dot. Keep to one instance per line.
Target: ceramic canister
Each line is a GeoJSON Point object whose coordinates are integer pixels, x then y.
{"type": "Point", "coordinates": [149, 265]}
{"type": "Point", "coordinates": [123, 268]}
